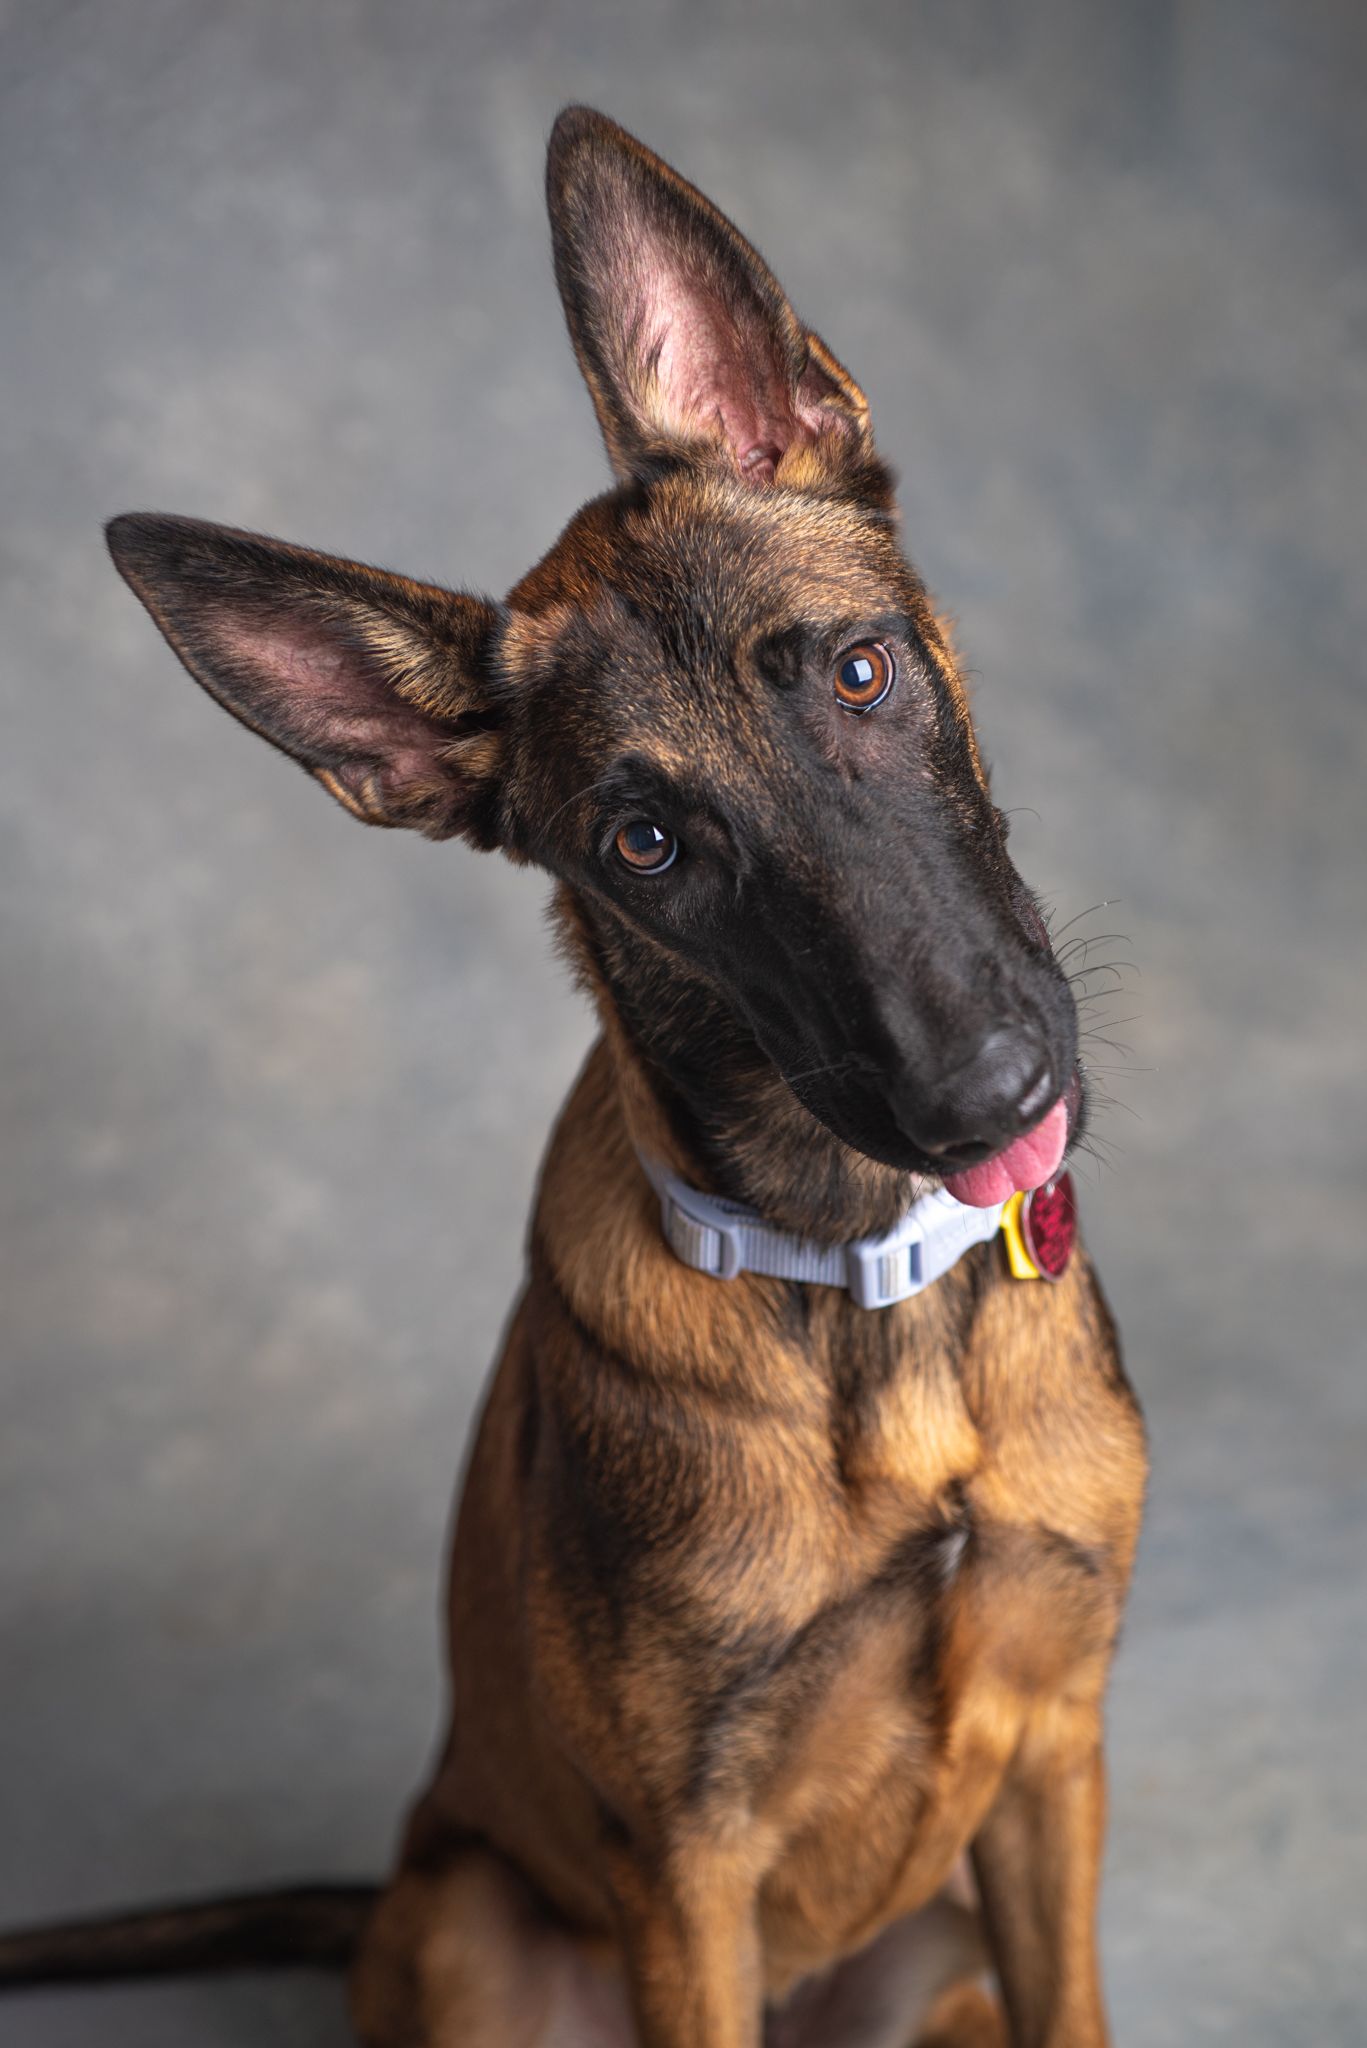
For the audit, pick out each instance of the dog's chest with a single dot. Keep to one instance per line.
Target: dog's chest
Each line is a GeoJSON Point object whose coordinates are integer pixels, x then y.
{"type": "Point", "coordinates": [890, 1616]}
{"type": "Point", "coordinates": [814, 1604]}
{"type": "Point", "coordinates": [957, 1553]}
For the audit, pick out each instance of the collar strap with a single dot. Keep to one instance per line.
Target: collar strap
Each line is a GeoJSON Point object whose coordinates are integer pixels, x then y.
{"type": "Point", "coordinates": [724, 1238]}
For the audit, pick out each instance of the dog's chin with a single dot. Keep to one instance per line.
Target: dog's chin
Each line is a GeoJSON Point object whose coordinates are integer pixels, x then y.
{"type": "Point", "coordinates": [866, 1125]}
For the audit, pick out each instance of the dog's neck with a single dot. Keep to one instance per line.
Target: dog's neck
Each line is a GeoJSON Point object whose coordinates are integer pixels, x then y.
{"type": "Point", "coordinates": [700, 1095]}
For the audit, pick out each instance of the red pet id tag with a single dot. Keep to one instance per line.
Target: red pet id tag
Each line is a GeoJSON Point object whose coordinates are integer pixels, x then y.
{"type": "Point", "coordinates": [1049, 1225]}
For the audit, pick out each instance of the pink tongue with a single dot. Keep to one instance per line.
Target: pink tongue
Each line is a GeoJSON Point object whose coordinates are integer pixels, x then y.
{"type": "Point", "coordinates": [1027, 1162]}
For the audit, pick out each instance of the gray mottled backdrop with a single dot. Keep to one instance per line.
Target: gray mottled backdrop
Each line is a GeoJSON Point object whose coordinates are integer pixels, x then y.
{"type": "Point", "coordinates": [272, 1088]}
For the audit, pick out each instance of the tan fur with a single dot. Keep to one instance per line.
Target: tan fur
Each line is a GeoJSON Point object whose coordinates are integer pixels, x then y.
{"type": "Point", "coordinates": [844, 1794]}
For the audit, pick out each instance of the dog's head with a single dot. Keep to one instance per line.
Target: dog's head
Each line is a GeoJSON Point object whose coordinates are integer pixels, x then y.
{"type": "Point", "coordinates": [720, 710]}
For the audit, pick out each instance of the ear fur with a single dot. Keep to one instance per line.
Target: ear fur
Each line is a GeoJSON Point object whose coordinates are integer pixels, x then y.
{"type": "Point", "coordinates": [384, 689]}
{"type": "Point", "coordinates": [681, 330]}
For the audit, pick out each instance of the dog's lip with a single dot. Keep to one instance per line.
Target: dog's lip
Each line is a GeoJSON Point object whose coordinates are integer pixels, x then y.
{"type": "Point", "coordinates": [903, 1158]}
{"type": "Point", "coordinates": [1029, 1161]}
{"type": "Point", "coordinates": [1073, 1099]}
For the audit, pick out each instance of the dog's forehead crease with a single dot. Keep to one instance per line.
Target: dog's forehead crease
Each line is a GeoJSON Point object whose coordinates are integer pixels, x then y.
{"type": "Point", "coordinates": [685, 589]}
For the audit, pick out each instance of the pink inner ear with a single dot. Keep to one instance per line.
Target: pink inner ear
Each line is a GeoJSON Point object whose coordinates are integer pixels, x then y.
{"type": "Point", "coordinates": [318, 694]}
{"type": "Point", "coordinates": [713, 371]}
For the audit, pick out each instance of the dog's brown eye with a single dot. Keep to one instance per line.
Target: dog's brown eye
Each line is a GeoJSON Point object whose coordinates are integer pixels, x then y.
{"type": "Point", "coordinates": [647, 848]}
{"type": "Point", "coordinates": [864, 675]}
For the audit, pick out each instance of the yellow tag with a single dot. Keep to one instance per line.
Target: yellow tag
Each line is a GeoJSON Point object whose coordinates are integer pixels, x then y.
{"type": "Point", "coordinates": [1017, 1253]}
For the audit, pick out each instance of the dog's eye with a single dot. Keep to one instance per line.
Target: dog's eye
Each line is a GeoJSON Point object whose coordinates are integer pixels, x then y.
{"type": "Point", "coordinates": [645, 848]}
{"type": "Point", "coordinates": [864, 675]}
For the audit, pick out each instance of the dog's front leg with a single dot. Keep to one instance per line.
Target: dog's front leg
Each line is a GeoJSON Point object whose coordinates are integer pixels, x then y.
{"type": "Point", "coordinates": [692, 1951]}
{"type": "Point", "coordinates": [1038, 1861]}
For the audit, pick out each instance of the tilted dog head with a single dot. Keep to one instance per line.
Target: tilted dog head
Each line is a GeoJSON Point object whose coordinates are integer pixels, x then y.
{"type": "Point", "coordinates": [720, 709]}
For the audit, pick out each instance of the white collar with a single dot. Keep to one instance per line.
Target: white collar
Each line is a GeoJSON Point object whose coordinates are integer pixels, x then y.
{"type": "Point", "coordinates": [724, 1238]}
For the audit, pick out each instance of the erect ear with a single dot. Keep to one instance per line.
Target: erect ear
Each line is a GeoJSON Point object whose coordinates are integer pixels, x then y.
{"type": "Point", "coordinates": [681, 330]}
{"type": "Point", "coordinates": [382, 688]}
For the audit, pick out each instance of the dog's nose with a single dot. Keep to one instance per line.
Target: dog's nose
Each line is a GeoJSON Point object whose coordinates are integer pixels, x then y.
{"type": "Point", "coordinates": [1003, 1088]}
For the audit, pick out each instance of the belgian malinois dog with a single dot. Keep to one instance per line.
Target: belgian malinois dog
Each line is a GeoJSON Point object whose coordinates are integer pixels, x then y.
{"type": "Point", "coordinates": [794, 1542]}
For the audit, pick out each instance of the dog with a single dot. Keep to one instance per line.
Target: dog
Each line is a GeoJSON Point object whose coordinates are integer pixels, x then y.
{"type": "Point", "coordinates": [797, 1531]}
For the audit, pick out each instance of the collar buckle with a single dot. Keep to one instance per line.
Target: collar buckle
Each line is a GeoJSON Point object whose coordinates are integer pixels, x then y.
{"type": "Point", "coordinates": [932, 1236]}
{"type": "Point", "coordinates": [884, 1270]}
